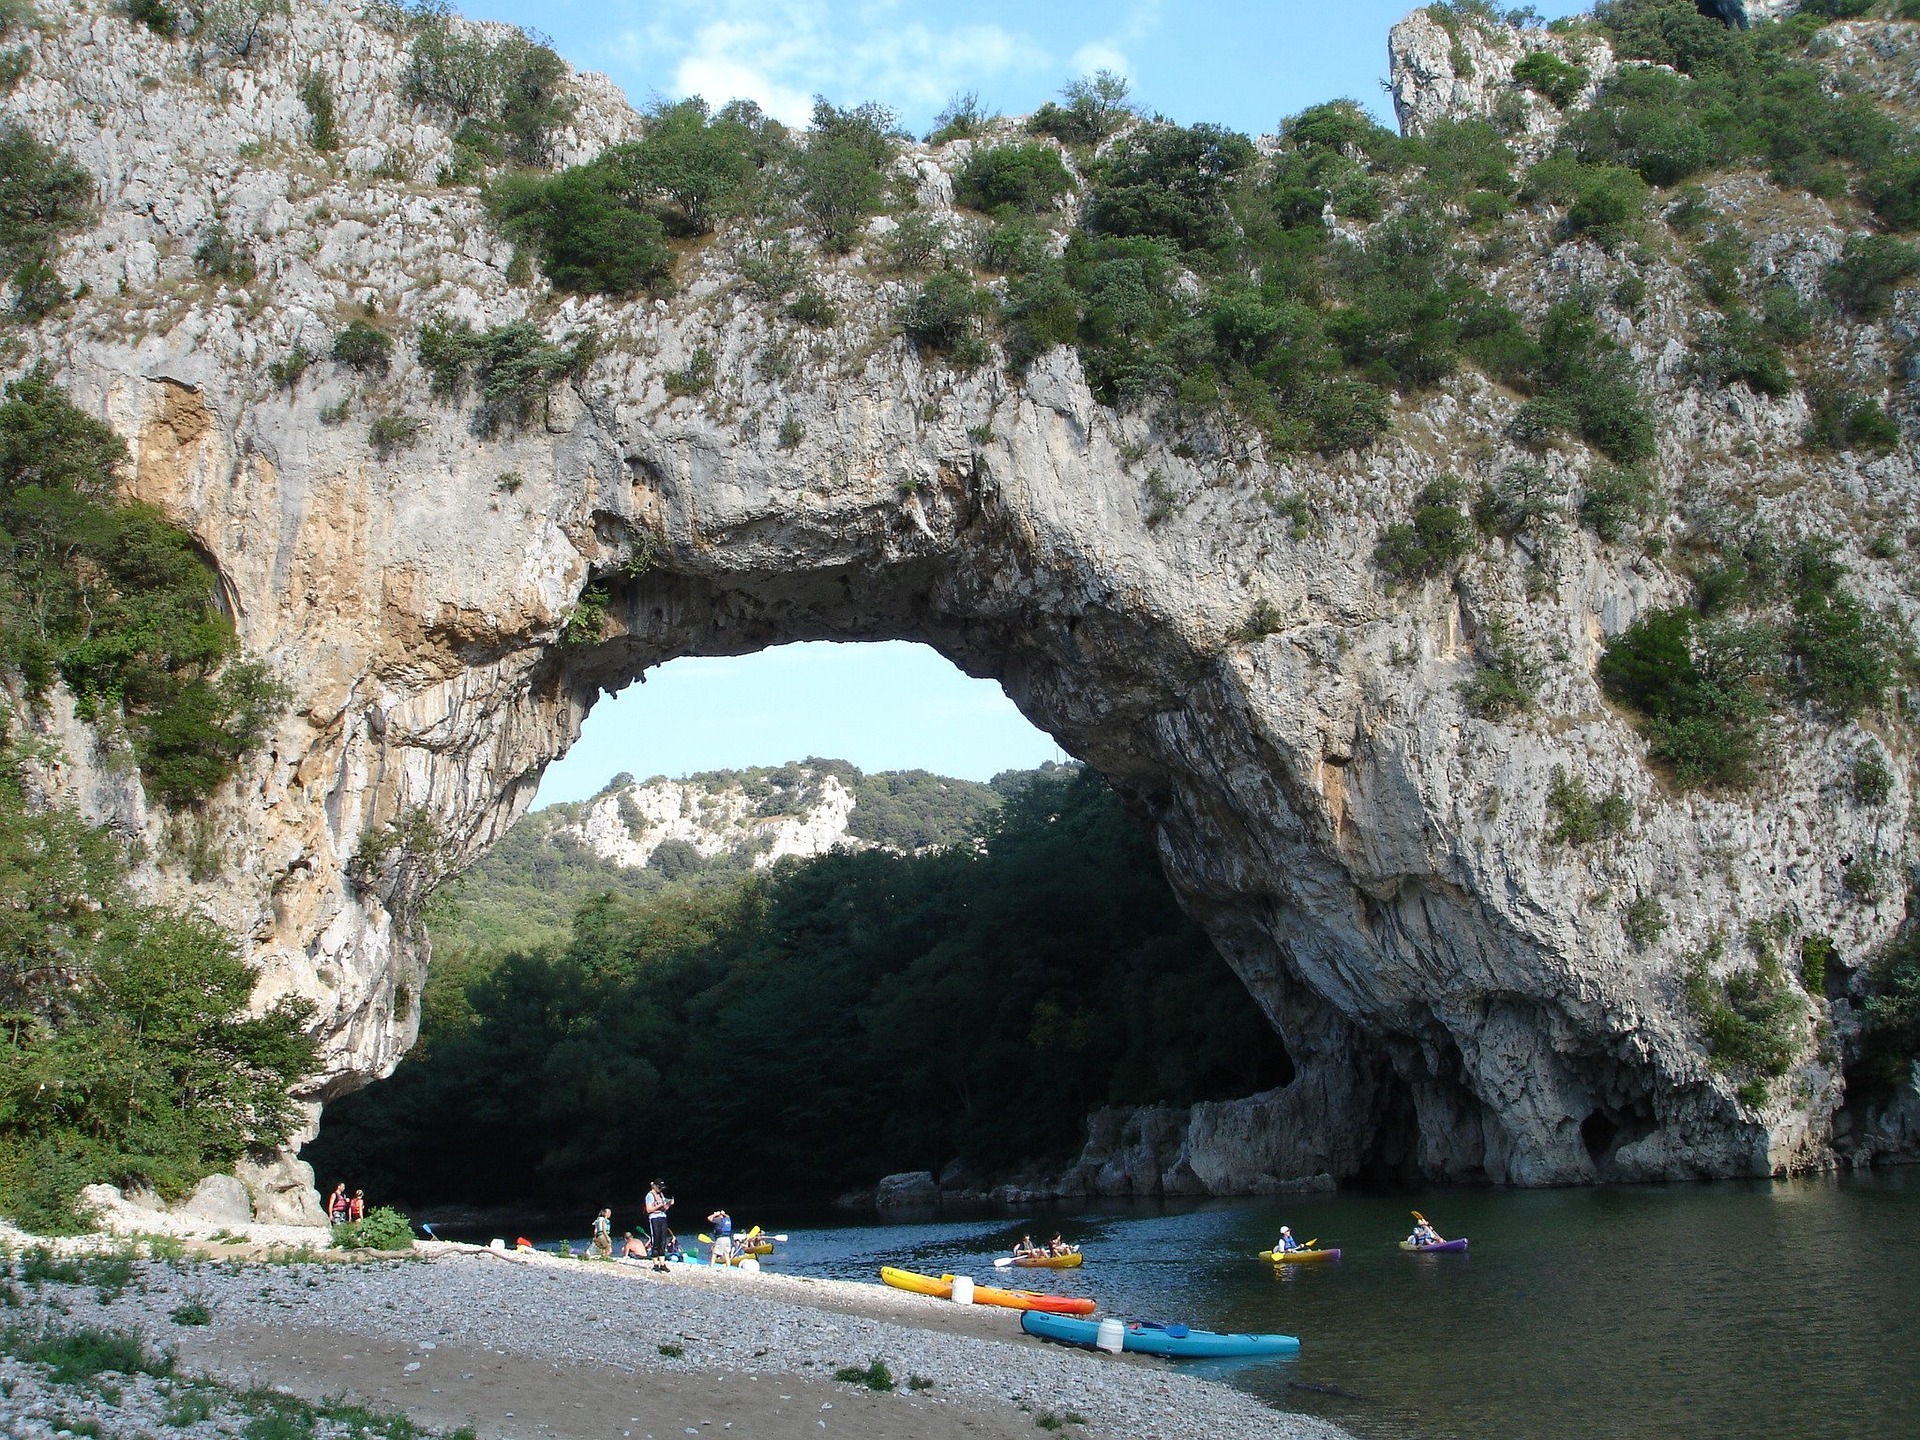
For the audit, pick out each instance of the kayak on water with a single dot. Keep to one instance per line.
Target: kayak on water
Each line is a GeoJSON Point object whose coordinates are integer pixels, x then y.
{"type": "Point", "coordinates": [942, 1289]}
{"type": "Point", "coordinates": [1069, 1261]}
{"type": "Point", "coordinates": [1298, 1257]}
{"type": "Point", "coordinates": [1146, 1337]}
{"type": "Point", "coordinates": [1433, 1249]}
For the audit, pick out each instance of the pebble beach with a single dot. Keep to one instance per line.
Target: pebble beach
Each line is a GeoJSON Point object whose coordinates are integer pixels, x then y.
{"type": "Point", "coordinates": [540, 1346]}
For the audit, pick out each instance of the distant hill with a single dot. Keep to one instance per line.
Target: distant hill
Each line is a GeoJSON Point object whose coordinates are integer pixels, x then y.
{"type": "Point", "coordinates": [637, 836]}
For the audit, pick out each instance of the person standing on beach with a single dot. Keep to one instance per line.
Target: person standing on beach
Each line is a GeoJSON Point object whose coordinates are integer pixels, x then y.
{"type": "Point", "coordinates": [722, 1224]}
{"type": "Point", "coordinates": [603, 1235]}
{"type": "Point", "coordinates": [357, 1207]}
{"type": "Point", "coordinates": [337, 1205]}
{"type": "Point", "coordinates": [658, 1204]}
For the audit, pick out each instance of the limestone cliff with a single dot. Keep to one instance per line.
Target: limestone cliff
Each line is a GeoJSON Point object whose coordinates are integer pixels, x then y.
{"type": "Point", "coordinates": [1459, 993]}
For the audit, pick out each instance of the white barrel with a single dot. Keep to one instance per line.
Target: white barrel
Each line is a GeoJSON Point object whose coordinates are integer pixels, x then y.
{"type": "Point", "coordinates": [963, 1289]}
{"type": "Point", "coordinates": [1113, 1335]}
{"type": "Point", "coordinates": [750, 1265]}
{"type": "Point", "coordinates": [496, 1244]}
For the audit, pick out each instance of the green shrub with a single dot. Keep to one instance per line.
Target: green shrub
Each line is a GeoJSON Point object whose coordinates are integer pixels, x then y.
{"type": "Point", "coordinates": [1025, 178]}
{"type": "Point", "coordinates": [287, 370]}
{"type": "Point", "coordinates": [238, 28]}
{"type": "Point", "coordinates": [506, 96]}
{"type": "Point", "coordinates": [1865, 879]}
{"type": "Point", "coordinates": [839, 187]}
{"type": "Point", "coordinates": [1547, 74]}
{"type": "Point", "coordinates": [1843, 652]}
{"type": "Point", "coordinates": [1617, 500]}
{"type": "Point", "coordinates": [1892, 192]}
{"type": "Point", "coordinates": [874, 1376]}
{"type": "Point", "coordinates": [1520, 500]}
{"type": "Point", "coordinates": [222, 257]}
{"type": "Point", "coordinates": [944, 315]}
{"type": "Point", "coordinates": [1818, 956]}
{"type": "Point", "coordinates": [384, 1229]}
{"type": "Point", "coordinates": [696, 376]}
{"type": "Point", "coordinates": [588, 236]}
{"type": "Point", "coordinates": [191, 1313]}
{"type": "Point", "coordinates": [158, 16]}
{"type": "Point", "coordinates": [1463, 155]}
{"type": "Point", "coordinates": [1169, 182]}
{"type": "Point", "coordinates": [1753, 1019]}
{"type": "Point", "coordinates": [72, 1356]}
{"type": "Point", "coordinates": [962, 118]}
{"type": "Point", "coordinates": [811, 307]}
{"type": "Point", "coordinates": [1844, 419]}
{"type": "Point", "coordinates": [792, 432]}
{"type": "Point", "coordinates": [1641, 120]}
{"type": "Point", "coordinates": [364, 348]}
{"type": "Point", "coordinates": [1787, 317]}
{"type": "Point", "coordinates": [390, 434]}
{"type": "Point", "coordinates": [112, 599]}
{"type": "Point", "coordinates": [514, 366]}
{"type": "Point", "coordinates": [1579, 818]}
{"type": "Point", "coordinates": [1506, 679]}
{"type": "Point", "coordinates": [1872, 780]}
{"type": "Point", "coordinates": [1697, 690]}
{"type": "Point", "coordinates": [44, 195]}
{"type": "Point", "coordinates": [1587, 385]}
{"type": "Point", "coordinates": [691, 167]}
{"type": "Point", "coordinates": [323, 125]}
{"type": "Point", "coordinates": [1644, 920]}
{"type": "Point", "coordinates": [1735, 347]}
{"type": "Point", "coordinates": [1096, 108]}
{"type": "Point", "coordinates": [1870, 268]}
{"type": "Point", "coordinates": [1438, 534]}
{"type": "Point", "coordinates": [1609, 203]}
{"type": "Point", "coordinates": [1890, 1040]}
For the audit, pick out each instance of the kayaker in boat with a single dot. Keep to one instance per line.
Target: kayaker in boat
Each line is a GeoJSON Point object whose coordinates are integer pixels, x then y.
{"type": "Point", "coordinates": [1286, 1241]}
{"type": "Point", "coordinates": [1057, 1246]}
{"type": "Point", "coordinates": [658, 1203]}
{"type": "Point", "coordinates": [1025, 1248]}
{"type": "Point", "coordinates": [1425, 1234]}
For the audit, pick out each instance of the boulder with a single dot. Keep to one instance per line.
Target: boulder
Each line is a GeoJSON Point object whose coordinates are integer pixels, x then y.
{"type": "Point", "coordinates": [907, 1190]}
{"type": "Point", "coordinates": [219, 1200]}
{"type": "Point", "coordinates": [281, 1189]}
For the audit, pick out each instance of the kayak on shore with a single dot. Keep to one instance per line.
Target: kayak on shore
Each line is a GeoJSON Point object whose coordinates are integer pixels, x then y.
{"type": "Point", "coordinates": [1146, 1337]}
{"type": "Point", "coordinates": [1070, 1261]}
{"type": "Point", "coordinates": [1298, 1257]}
{"type": "Point", "coordinates": [942, 1289]}
{"type": "Point", "coordinates": [1435, 1249]}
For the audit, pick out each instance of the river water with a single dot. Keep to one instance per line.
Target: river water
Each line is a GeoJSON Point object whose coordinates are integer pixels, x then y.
{"type": "Point", "coordinates": [1781, 1309]}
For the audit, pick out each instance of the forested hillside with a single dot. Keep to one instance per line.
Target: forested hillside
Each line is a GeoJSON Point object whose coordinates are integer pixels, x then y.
{"type": "Point", "coordinates": [525, 892]}
{"type": "Point", "coordinates": [798, 1031]}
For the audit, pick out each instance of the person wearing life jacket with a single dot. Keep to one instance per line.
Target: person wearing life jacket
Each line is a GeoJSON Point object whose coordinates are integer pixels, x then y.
{"type": "Point", "coordinates": [1425, 1234]}
{"type": "Point", "coordinates": [337, 1205]}
{"type": "Point", "coordinates": [722, 1224]}
{"type": "Point", "coordinates": [1286, 1241]}
{"type": "Point", "coordinates": [658, 1204]}
{"type": "Point", "coordinates": [603, 1235]}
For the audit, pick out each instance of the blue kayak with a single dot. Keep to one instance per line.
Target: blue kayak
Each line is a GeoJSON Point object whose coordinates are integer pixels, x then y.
{"type": "Point", "coordinates": [1144, 1337]}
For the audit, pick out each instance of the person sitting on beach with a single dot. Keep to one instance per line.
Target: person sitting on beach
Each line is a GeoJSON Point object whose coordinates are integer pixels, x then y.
{"type": "Point", "coordinates": [722, 1224]}
{"type": "Point", "coordinates": [635, 1248]}
{"type": "Point", "coordinates": [1286, 1241]}
{"type": "Point", "coordinates": [1425, 1234]}
{"type": "Point", "coordinates": [603, 1235]}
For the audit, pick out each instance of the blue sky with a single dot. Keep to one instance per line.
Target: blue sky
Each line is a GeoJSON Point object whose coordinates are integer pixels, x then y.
{"type": "Point", "coordinates": [1244, 63]}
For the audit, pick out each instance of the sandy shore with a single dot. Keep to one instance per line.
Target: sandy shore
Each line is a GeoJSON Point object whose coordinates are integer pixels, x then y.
{"type": "Point", "coordinates": [537, 1347]}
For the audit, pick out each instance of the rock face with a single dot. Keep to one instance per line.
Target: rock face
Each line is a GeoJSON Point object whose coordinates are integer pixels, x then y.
{"type": "Point", "coordinates": [908, 1190]}
{"type": "Point", "coordinates": [1458, 993]}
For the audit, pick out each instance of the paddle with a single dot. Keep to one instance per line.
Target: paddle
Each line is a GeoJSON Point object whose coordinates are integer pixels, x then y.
{"type": "Point", "coordinates": [1005, 1262]}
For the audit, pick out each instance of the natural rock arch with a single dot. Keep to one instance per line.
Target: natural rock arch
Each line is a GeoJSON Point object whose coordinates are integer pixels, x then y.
{"type": "Point", "coordinates": [1458, 993]}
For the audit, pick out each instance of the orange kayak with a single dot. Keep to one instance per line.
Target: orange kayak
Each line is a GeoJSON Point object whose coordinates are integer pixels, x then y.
{"type": "Point", "coordinates": [942, 1289]}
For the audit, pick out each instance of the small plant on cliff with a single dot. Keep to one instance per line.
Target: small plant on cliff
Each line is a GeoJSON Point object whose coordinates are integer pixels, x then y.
{"type": "Point", "coordinates": [362, 347]}
{"type": "Point", "coordinates": [587, 625]}
{"type": "Point", "coordinates": [323, 124]}
{"type": "Point", "coordinates": [1578, 817]}
{"type": "Point", "coordinates": [1097, 107]}
{"type": "Point", "coordinates": [1872, 780]}
{"type": "Point", "coordinates": [239, 29]}
{"type": "Point", "coordinates": [1869, 270]}
{"type": "Point", "coordinates": [1027, 179]}
{"type": "Point", "coordinates": [44, 195]}
{"type": "Point", "coordinates": [837, 177]}
{"type": "Point", "coordinates": [223, 256]}
{"type": "Point", "coordinates": [962, 118]}
{"type": "Point", "coordinates": [506, 97]}
{"type": "Point", "coordinates": [1505, 682]}
{"type": "Point", "coordinates": [1753, 1019]}
{"type": "Point", "coordinates": [1438, 534]}
{"type": "Point", "coordinates": [1644, 920]}
{"type": "Point", "coordinates": [390, 434]}
{"type": "Point", "coordinates": [514, 366]}
{"type": "Point", "coordinates": [944, 317]}
{"type": "Point", "coordinates": [1547, 74]}
{"type": "Point", "coordinates": [1618, 500]}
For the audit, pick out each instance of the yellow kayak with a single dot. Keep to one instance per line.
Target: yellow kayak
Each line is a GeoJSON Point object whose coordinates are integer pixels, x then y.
{"type": "Point", "coordinates": [941, 1289]}
{"type": "Point", "coordinates": [1049, 1262]}
{"type": "Point", "coordinates": [1297, 1257]}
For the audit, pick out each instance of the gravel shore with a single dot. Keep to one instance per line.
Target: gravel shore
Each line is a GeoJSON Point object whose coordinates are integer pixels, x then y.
{"type": "Point", "coordinates": [532, 1345]}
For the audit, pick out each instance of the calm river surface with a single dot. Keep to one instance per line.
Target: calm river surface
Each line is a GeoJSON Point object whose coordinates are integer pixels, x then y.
{"type": "Point", "coordinates": [1750, 1309]}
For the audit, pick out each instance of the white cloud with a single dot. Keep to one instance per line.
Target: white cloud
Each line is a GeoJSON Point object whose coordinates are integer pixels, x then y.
{"type": "Point", "coordinates": [781, 52]}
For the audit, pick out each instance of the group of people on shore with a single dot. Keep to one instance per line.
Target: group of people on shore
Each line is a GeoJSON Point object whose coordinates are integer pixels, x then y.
{"type": "Point", "coordinates": [1025, 1249]}
{"type": "Point", "coordinates": [659, 1242]}
{"type": "Point", "coordinates": [342, 1209]}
